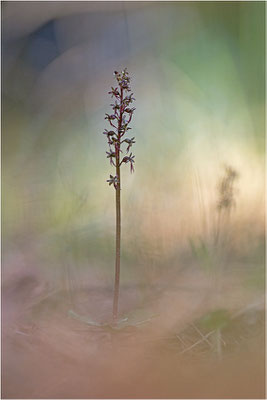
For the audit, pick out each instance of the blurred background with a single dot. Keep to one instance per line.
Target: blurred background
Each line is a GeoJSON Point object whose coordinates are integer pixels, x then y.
{"type": "Point", "coordinates": [198, 76]}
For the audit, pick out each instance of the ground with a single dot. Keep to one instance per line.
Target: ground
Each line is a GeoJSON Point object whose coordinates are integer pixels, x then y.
{"type": "Point", "coordinates": [54, 348]}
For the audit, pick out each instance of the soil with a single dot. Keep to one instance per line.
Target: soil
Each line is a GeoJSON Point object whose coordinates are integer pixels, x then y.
{"type": "Point", "coordinates": [48, 353]}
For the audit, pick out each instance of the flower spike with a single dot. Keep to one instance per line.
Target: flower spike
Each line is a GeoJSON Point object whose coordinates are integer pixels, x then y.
{"type": "Point", "coordinates": [119, 120]}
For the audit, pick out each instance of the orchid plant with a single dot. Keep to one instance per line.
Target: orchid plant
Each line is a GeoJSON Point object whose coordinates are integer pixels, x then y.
{"type": "Point", "coordinates": [118, 154]}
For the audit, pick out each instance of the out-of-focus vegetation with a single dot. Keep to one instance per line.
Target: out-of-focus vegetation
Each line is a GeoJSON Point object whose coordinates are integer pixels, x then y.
{"type": "Point", "coordinates": [198, 74]}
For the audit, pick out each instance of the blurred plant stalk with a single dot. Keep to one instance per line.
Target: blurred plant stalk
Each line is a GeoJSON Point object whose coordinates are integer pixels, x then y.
{"type": "Point", "coordinates": [210, 257]}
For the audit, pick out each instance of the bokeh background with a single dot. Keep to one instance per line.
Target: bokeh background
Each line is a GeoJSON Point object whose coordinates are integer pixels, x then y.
{"type": "Point", "coordinates": [198, 76]}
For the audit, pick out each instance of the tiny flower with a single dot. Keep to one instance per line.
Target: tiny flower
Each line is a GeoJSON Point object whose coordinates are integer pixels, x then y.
{"type": "Point", "coordinates": [132, 163]}
{"type": "Point", "coordinates": [112, 140]}
{"type": "Point", "coordinates": [129, 159]}
{"type": "Point", "coordinates": [113, 181]}
{"type": "Point", "coordinates": [115, 106]}
{"type": "Point", "coordinates": [114, 92]}
{"type": "Point", "coordinates": [108, 133]}
{"type": "Point", "coordinates": [124, 84]}
{"type": "Point", "coordinates": [110, 117]}
{"type": "Point", "coordinates": [111, 155]}
{"type": "Point", "coordinates": [125, 160]}
{"type": "Point", "coordinates": [128, 99]}
{"type": "Point", "coordinates": [130, 142]}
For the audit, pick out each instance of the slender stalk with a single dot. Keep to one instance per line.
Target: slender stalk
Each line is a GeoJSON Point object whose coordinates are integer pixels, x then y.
{"type": "Point", "coordinates": [118, 221]}
{"type": "Point", "coordinates": [118, 249]}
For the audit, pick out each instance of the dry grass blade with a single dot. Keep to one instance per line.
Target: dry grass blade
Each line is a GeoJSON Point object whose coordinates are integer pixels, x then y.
{"type": "Point", "coordinates": [201, 334]}
{"type": "Point", "coordinates": [198, 342]}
